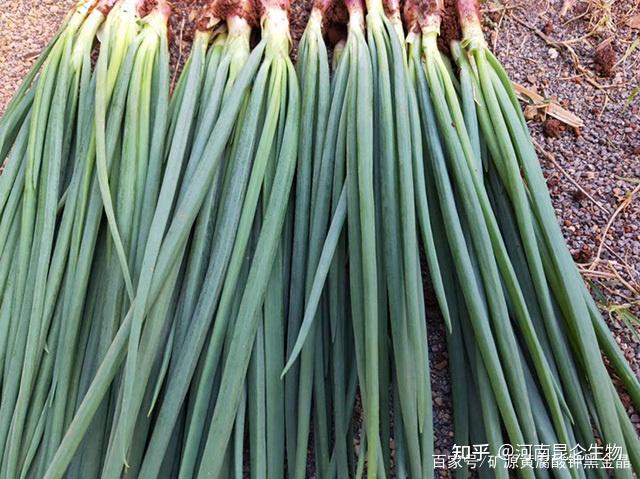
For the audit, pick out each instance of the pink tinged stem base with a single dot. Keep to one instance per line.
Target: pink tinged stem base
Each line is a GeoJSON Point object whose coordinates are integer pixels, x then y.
{"type": "Point", "coordinates": [468, 10]}
{"type": "Point", "coordinates": [432, 23]}
{"type": "Point", "coordinates": [469, 15]}
{"type": "Point", "coordinates": [105, 6]}
{"type": "Point", "coordinates": [392, 7]}
{"type": "Point", "coordinates": [275, 5]}
{"type": "Point", "coordinates": [354, 6]}
{"type": "Point", "coordinates": [163, 8]}
{"type": "Point", "coordinates": [423, 15]}
{"type": "Point", "coordinates": [322, 6]}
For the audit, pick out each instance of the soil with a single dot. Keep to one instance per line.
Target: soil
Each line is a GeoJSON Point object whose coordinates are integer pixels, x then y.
{"type": "Point", "coordinates": [553, 128]}
{"type": "Point", "coordinates": [605, 59]}
{"type": "Point", "coordinates": [584, 60]}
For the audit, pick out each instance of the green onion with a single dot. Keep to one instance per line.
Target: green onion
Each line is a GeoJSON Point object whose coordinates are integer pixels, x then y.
{"type": "Point", "coordinates": [195, 311]}
{"type": "Point", "coordinates": [278, 154]}
{"type": "Point", "coordinates": [119, 35]}
{"type": "Point", "coordinates": [312, 201]}
{"type": "Point", "coordinates": [362, 226]}
{"type": "Point", "coordinates": [481, 230]}
{"type": "Point", "coordinates": [140, 169]}
{"type": "Point", "coordinates": [399, 146]}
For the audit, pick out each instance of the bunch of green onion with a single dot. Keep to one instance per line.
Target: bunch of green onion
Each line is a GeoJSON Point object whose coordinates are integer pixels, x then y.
{"type": "Point", "coordinates": [501, 238]}
{"type": "Point", "coordinates": [40, 181]}
{"type": "Point", "coordinates": [555, 292]}
{"type": "Point", "coordinates": [305, 389]}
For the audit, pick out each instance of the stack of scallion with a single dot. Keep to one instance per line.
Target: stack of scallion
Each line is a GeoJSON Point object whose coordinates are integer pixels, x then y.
{"type": "Point", "coordinates": [224, 278]}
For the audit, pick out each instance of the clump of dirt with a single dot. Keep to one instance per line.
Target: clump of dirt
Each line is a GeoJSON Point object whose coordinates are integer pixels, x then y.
{"type": "Point", "coordinates": [411, 13]}
{"type": "Point", "coordinates": [583, 255]}
{"type": "Point", "coordinates": [605, 59]}
{"type": "Point", "coordinates": [145, 7]}
{"type": "Point", "coordinates": [105, 6]}
{"type": "Point", "coordinates": [579, 195]}
{"type": "Point", "coordinates": [553, 128]}
{"type": "Point", "coordinates": [207, 16]}
{"type": "Point", "coordinates": [245, 9]}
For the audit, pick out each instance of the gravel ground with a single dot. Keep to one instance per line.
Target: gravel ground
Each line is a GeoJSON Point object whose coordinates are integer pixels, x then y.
{"type": "Point", "coordinates": [585, 60]}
